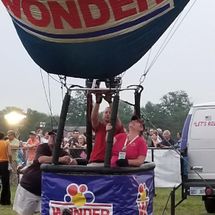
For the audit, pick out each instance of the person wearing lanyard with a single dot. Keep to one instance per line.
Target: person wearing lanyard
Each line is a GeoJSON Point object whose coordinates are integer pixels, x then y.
{"type": "Point", "coordinates": [129, 149]}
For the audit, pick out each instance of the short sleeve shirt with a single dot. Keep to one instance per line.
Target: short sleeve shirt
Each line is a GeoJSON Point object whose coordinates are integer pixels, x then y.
{"type": "Point", "coordinates": [133, 151]}
{"type": "Point", "coordinates": [98, 152]}
{"type": "Point", "coordinates": [31, 151]}
{"type": "Point", "coordinates": [31, 179]}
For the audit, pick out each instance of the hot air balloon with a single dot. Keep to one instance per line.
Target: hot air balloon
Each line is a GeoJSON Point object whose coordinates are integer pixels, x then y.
{"type": "Point", "coordinates": [90, 38]}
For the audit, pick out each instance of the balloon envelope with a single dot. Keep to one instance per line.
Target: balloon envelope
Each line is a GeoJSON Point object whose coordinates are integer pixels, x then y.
{"type": "Point", "coordinates": [90, 38]}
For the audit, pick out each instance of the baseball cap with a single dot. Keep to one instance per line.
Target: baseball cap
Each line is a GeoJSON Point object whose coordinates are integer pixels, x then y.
{"type": "Point", "coordinates": [136, 118]}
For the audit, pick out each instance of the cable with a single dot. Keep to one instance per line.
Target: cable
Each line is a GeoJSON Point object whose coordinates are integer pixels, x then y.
{"type": "Point", "coordinates": [160, 50]}
{"type": "Point", "coordinates": [144, 116]}
{"type": "Point", "coordinates": [54, 79]}
{"type": "Point", "coordinates": [143, 76]}
{"type": "Point", "coordinates": [168, 39]}
{"type": "Point", "coordinates": [165, 43]}
{"type": "Point", "coordinates": [50, 102]}
{"type": "Point", "coordinates": [166, 204]}
{"type": "Point", "coordinates": [46, 96]}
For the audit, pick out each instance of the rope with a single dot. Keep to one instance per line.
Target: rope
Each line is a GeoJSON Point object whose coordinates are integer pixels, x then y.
{"type": "Point", "coordinates": [46, 96]}
{"type": "Point", "coordinates": [49, 94]}
{"type": "Point", "coordinates": [143, 76]}
{"type": "Point", "coordinates": [160, 50]}
{"type": "Point", "coordinates": [166, 41]}
{"type": "Point", "coordinates": [166, 204]}
{"type": "Point", "coordinates": [50, 101]}
{"type": "Point", "coordinates": [54, 78]}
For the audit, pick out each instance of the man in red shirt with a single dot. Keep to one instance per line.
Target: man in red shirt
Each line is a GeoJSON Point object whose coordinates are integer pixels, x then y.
{"type": "Point", "coordinates": [99, 126]}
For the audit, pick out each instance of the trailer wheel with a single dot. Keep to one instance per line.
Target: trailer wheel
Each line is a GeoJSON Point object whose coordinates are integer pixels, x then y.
{"type": "Point", "coordinates": [210, 204]}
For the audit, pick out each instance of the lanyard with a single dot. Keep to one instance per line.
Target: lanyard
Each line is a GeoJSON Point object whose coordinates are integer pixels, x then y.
{"type": "Point", "coordinates": [126, 142]}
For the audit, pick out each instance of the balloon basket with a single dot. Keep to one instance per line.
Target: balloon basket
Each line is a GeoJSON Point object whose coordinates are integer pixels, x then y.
{"type": "Point", "coordinates": [81, 190]}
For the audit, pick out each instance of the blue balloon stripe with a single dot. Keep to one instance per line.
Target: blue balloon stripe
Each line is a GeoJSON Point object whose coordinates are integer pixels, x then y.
{"type": "Point", "coordinates": [98, 59]}
{"type": "Point", "coordinates": [98, 33]}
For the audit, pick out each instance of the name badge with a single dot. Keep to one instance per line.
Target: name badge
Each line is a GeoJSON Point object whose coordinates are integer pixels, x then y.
{"type": "Point", "coordinates": [121, 155]}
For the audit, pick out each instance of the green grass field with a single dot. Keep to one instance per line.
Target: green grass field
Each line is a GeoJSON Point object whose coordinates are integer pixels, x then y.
{"type": "Point", "coordinates": [7, 210]}
{"type": "Point", "coordinates": [191, 206]}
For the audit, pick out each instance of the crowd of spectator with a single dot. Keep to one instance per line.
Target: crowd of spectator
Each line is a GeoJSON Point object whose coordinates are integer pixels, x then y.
{"type": "Point", "coordinates": [23, 152]}
{"type": "Point", "coordinates": [161, 139]}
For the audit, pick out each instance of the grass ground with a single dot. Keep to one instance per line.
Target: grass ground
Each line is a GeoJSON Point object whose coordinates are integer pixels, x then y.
{"type": "Point", "coordinates": [5, 209]}
{"type": "Point", "coordinates": [191, 206]}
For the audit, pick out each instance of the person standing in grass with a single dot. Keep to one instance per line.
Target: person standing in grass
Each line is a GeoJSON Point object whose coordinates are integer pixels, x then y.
{"type": "Point", "coordinates": [14, 145]}
{"type": "Point", "coordinates": [5, 162]}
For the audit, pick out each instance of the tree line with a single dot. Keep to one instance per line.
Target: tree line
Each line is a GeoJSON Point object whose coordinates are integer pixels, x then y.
{"type": "Point", "coordinates": [169, 113]}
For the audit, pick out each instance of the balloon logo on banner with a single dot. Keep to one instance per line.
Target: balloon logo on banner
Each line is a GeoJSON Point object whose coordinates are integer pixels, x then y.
{"type": "Point", "coordinates": [143, 192]}
{"type": "Point", "coordinates": [143, 199]}
{"type": "Point", "coordinates": [78, 195]}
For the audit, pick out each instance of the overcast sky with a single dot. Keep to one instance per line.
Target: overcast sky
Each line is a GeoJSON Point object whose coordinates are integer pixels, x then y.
{"type": "Point", "coordinates": [187, 63]}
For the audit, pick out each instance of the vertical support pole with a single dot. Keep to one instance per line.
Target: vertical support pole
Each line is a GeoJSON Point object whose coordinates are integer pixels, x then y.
{"type": "Point", "coordinates": [173, 201]}
{"type": "Point", "coordinates": [61, 125]}
{"type": "Point", "coordinates": [137, 96]}
{"type": "Point", "coordinates": [153, 158]}
{"type": "Point", "coordinates": [153, 155]}
{"type": "Point", "coordinates": [110, 134]}
{"type": "Point", "coordinates": [89, 125]}
{"type": "Point", "coordinates": [137, 104]}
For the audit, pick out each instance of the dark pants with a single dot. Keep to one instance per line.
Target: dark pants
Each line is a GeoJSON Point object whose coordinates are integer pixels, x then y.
{"type": "Point", "coordinates": [5, 179]}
